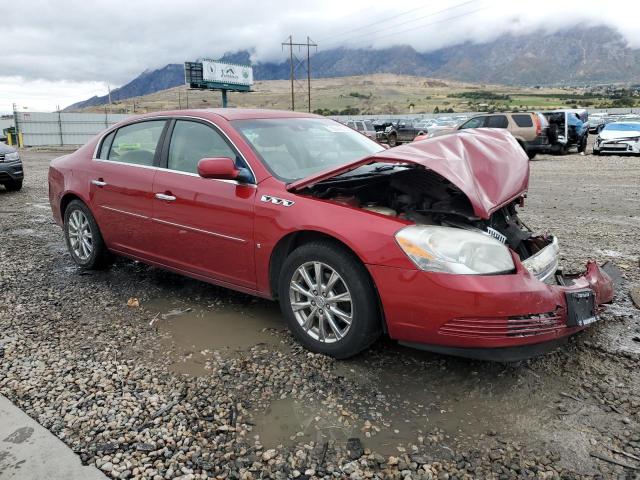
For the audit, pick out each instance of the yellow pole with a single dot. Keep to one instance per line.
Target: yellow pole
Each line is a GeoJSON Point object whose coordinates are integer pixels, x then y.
{"type": "Point", "coordinates": [20, 141]}
{"type": "Point", "coordinates": [10, 139]}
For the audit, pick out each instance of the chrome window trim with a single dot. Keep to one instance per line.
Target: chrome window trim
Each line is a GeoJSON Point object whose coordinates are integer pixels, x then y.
{"type": "Point", "coordinates": [198, 230]}
{"type": "Point", "coordinates": [190, 174]}
{"type": "Point", "coordinates": [176, 117]}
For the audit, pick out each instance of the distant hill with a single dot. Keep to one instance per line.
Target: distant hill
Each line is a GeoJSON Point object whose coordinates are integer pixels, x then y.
{"type": "Point", "coordinates": [570, 57]}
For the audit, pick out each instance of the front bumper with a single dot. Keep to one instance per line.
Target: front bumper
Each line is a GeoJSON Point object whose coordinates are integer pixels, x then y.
{"type": "Point", "coordinates": [11, 171]}
{"type": "Point", "coordinates": [617, 147]}
{"type": "Point", "coordinates": [461, 313]}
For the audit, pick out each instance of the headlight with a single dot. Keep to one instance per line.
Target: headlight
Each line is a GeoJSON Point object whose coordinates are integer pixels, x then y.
{"type": "Point", "coordinates": [11, 157]}
{"type": "Point", "coordinates": [452, 250]}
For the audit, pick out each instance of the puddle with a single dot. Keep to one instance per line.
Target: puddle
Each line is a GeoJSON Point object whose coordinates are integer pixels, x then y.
{"type": "Point", "coordinates": [194, 333]}
{"type": "Point", "coordinates": [410, 404]}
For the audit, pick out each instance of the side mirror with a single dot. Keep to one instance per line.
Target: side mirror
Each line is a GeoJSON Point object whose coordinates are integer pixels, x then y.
{"type": "Point", "coordinates": [222, 168]}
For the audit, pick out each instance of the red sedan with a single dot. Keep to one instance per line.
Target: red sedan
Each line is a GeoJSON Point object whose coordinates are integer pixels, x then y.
{"type": "Point", "coordinates": [421, 242]}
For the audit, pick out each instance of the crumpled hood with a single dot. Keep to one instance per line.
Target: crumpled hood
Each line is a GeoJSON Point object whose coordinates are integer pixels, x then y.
{"type": "Point", "coordinates": [487, 165]}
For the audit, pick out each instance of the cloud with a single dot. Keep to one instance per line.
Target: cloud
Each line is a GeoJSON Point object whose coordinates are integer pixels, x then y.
{"type": "Point", "coordinates": [95, 43]}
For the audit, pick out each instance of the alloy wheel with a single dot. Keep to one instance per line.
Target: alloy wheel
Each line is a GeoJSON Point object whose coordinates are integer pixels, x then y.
{"type": "Point", "coordinates": [80, 236]}
{"type": "Point", "coordinates": [321, 302]}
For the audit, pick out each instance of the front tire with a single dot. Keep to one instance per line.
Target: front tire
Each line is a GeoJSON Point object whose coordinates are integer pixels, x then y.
{"type": "Point", "coordinates": [83, 238]}
{"type": "Point", "coordinates": [328, 300]}
{"type": "Point", "coordinates": [13, 185]}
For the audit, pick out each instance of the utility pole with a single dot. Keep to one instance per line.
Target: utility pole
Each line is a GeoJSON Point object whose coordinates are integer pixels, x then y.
{"type": "Point", "coordinates": [110, 104]}
{"type": "Point", "coordinates": [293, 66]}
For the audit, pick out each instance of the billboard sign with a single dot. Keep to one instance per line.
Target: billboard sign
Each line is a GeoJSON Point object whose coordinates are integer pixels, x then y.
{"type": "Point", "coordinates": [219, 72]}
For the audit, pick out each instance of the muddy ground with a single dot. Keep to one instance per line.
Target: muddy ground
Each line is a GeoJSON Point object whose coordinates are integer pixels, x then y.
{"type": "Point", "coordinates": [199, 381]}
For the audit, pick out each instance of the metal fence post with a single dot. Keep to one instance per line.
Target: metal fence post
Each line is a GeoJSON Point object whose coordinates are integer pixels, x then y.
{"type": "Point", "coordinates": [60, 126]}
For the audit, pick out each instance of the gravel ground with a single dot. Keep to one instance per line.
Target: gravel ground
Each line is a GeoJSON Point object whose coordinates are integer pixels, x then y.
{"type": "Point", "coordinates": [121, 383]}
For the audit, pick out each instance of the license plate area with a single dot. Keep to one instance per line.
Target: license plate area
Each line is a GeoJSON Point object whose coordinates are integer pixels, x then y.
{"type": "Point", "coordinates": [581, 310]}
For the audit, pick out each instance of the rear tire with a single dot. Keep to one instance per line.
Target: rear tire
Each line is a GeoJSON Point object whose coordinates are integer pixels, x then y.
{"type": "Point", "coordinates": [392, 140]}
{"type": "Point", "coordinates": [13, 185]}
{"type": "Point", "coordinates": [340, 328]}
{"type": "Point", "coordinates": [531, 154]}
{"type": "Point", "coordinates": [83, 238]}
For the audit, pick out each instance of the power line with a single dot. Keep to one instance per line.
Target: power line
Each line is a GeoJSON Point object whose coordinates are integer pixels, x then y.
{"type": "Point", "coordinates": [433, 14]}
{"type": "Point", "coordinates": [374, 23]}
{"type": "Point", "coordinates": [435, 22]}
{"type": "Point", "coordinates": [327, 61]}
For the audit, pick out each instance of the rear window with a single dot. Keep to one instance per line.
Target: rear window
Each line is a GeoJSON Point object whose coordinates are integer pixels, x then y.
{"type": "Point", "coordinates": [523, 120]}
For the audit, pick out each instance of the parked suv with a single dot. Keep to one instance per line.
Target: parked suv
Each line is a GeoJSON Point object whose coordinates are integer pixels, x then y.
{"type": "Point", "coordinates": [529, 128]}
{"type": "Point", "coordinates": [11, 173]}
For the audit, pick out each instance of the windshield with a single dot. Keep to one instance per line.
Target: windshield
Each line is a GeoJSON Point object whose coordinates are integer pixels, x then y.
{"type": "Point", "coordinates": [623, 126]}
{"type": "Point", "coordinates": [295, 148]}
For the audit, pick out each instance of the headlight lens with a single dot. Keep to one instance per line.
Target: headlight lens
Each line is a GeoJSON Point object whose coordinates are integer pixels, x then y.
{"type": "Point", "coordinates": [11, 157]}
{"type": "Point", "coordinates": [452, 250]}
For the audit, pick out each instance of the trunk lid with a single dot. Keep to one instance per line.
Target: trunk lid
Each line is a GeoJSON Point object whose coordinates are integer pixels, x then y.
{"type": "Point", "coordinates": [487, 165]}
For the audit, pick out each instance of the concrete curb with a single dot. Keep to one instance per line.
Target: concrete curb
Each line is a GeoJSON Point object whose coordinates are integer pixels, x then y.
{"type": "Point", "coordinates": [29, 451]}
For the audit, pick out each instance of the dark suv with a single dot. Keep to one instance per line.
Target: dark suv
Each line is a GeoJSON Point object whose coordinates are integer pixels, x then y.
{"type": "Point", "coordinates": [11, 174]}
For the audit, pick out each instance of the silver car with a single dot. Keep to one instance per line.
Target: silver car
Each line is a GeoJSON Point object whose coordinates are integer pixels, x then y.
{"type": "Point", "coordinates": [618, 137]}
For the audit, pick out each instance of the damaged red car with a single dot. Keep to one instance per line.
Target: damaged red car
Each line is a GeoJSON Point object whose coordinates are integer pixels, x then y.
{"type": "Point", "coordinates": [421, 242]}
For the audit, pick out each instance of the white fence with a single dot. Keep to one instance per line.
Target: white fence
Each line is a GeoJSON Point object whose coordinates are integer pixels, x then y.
{"type": "Point", "coordinates": [59, 128]}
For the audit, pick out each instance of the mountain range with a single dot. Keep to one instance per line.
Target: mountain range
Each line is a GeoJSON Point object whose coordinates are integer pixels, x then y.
{"type": "Point", "coordinates": [575, 56]}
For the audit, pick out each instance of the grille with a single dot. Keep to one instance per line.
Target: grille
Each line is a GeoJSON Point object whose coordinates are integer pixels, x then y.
{"type": "Point", "coordinates": [614, 146]}
{"type": "Point", "coordinates": [504, 327]}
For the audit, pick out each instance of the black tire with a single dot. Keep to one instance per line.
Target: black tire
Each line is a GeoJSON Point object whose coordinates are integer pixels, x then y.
{"type": "Point", "coordinates": [99, 256]}
{"type": "Point", "coordinates": [392, 140]}
{"type": "Point", "coordinates": [365, 325]}
{"type": "Point", "coordinates": [531, 154]}
{"type": "Point", "coordinates": [596, 152]}
{"type": "Point", "coordinates": [552, 133]}
{"type": "Point", "coordinates": [13, 185]}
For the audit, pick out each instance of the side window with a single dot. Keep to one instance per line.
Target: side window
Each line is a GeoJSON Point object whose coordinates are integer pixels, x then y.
{"type": "Point", "coordinates": [475, 122]}
{"type": "Point", "coordinates": [497, 121]}
{"type": "Point", "coordinates": [193, 141]}
{"type": "Point", "coordinates": [523, 120]}
{"type": "Point", "coordinates": [360, 126]}
{"type": "Point", "coordinates": [136, 143]}
{"type": "Point", "coordinates": [103, 154]}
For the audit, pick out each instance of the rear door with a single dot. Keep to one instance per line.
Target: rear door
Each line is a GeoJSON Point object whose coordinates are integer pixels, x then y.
{"type": "Point", "coordinates": [203, 226]}
{"type": "Point", "coordinates": [121, 185]}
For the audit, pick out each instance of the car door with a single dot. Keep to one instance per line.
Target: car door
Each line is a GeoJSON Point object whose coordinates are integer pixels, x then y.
{"type": "Point", "coordinates": [203, 226]}
{"type": "Point", "coordinates": [121, 185]}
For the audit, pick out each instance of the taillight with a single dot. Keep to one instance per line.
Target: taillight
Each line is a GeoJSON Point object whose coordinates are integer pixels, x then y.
{"type": "Point", "coordinates": [536, 120]}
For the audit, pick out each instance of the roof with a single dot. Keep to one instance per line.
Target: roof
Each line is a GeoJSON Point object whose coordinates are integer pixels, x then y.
{"type": "Point", "coordinates": [234, 113]}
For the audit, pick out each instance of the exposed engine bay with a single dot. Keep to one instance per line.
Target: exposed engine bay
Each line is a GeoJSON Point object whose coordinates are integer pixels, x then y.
{"type": "Point", "coordinates": [421, 196]}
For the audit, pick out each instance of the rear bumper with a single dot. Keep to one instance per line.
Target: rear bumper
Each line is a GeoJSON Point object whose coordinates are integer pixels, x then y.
{"type": "Point", "coordinates": [11, 171]}
{"type": "Point", "coordinates": [458, 312]}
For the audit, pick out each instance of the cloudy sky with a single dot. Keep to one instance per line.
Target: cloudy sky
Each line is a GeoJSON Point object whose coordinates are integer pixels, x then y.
{"type": "Point", "coordinates": [58, 52]}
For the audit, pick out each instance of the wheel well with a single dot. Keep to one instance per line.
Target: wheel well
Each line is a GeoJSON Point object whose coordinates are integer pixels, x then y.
{"type": "Point", "coordinates": [66, 200]}
{"type": "Point", "coordinates": [290, 242]}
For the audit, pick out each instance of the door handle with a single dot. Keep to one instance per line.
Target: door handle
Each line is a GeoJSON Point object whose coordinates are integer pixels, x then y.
{"type": "Point", "coordinates": [99, 183]}
{"type": "Point", "coordinates": [165, 197]}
